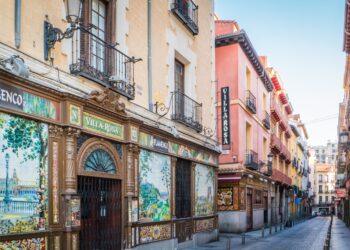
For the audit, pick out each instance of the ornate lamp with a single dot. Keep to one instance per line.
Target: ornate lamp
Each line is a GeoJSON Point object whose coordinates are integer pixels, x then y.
{"type": "Point", "coordinates": [53, 35]}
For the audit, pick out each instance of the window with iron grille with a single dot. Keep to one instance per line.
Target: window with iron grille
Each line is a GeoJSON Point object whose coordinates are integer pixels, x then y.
{"type": "Point", "coordinates": [183, 189]}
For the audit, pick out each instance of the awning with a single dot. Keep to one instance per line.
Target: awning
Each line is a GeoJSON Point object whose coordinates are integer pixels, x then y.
{"type": "Point", "coordinates": [229, 178]}
{"type": "Point", "coordinates": [276, 83]}
{"type": "Point", "coordinates": [283, 97]}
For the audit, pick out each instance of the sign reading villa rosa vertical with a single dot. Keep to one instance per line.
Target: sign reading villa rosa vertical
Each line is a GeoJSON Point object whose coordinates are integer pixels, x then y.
{"type": "Point", "coordinates": [225, 116]}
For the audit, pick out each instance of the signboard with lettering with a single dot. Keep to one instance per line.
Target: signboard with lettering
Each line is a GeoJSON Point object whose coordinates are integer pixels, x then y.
{"type": "Point", "coordinates": [160, 144]}
{"type": "Point", "coordinates": [11, 97]}
{"type": "Point", "coordinates": [225, 117]}
{"type": "Point", "coordinates": [103, 126]}
{"type": "Point", "coordinates": [20, 100]}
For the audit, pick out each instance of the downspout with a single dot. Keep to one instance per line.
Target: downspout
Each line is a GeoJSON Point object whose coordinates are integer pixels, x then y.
{"type": "Point", "coordinates": [149, 26]}
{"type": "Point", "coordinates": [18, 23]}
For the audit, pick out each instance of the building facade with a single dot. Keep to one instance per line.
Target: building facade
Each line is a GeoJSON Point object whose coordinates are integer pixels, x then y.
{"type": "Point", "coordinates": [324, 186]}
{"type": "Point", "coordinates": [243, 112]}
{"type": "Point", "coordinates": [326, 154]}
{"type": "Point", "coordinates": [102, 128]}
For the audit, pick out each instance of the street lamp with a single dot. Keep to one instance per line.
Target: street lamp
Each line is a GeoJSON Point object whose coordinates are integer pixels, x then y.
{"type": "Point", "coordinates": [53, 35]}
{"type": "Point", "coordinates": [269, 158]}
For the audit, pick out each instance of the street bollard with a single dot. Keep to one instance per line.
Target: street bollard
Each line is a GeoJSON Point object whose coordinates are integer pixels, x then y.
{"type": "Point", "coordinates": [243, 238]}
{"type": "Point", "coordinates": [263, 232]}
{"type": "Point", "coordinates": [228, 245]}
{"type": "Point", "coordinates": [280, 226]}
{"type": "Point", "coordinates": [270, 231]}
{"type": "Point", "coordinates": [275, 227]}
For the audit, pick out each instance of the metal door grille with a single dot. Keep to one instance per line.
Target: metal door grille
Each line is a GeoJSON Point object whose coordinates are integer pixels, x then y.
{"type": "Point", "coordinates": [100, 213]}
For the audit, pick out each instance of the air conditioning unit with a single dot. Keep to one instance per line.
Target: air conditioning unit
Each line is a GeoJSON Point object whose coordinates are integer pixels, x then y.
{"type": "Point", "coordinates": [118, 82]}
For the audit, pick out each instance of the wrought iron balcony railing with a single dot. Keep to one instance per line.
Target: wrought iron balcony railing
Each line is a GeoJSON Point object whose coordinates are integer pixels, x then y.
{"type": "Point", "coordinates": [251, 160]}
{"type": "Point", "coordinates": [251, 102]}
{"type": "Point", "coordinates": [94, 58]}
{"type": "Point", "coordinates": [187, 111]}
{"type": "Point", "coordinates": [187, 12]}
{"type": "Point", "coordinates": [266, 120]}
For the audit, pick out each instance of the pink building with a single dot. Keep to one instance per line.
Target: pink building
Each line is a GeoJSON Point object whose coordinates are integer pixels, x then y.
{"type": "Point", "coordinates": [243, 111]}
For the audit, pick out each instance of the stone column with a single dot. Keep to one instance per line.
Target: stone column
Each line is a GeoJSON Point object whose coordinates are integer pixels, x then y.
{"type": "Point", "coordinates": [70, 186]}
{"type": "Point", "coordinates": [70, 179]}
{"type": "Point", "coordinates": [173, 187]}
{"type": "Point", "coordinates": [131, 184]}
{"type": "Point", "coordinates": [193, 187]}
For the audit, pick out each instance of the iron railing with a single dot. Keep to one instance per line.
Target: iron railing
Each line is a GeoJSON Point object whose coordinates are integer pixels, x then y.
{"type": "Point", "coordinates": [251, 102]}
{"type": "Point", "coordinates": [251, 160]}
{"type": "Point", "coordinates": [187, 111]}
{"type": "Point", "coordinates": [94, 58]}
{"type": "Point", "coordinates": [266, 120]}
{"type": "Point", "coordinates": [187, 12]}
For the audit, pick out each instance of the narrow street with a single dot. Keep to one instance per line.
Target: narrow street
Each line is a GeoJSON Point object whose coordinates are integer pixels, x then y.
{"type": "Point", "coordinates": [308, 235]}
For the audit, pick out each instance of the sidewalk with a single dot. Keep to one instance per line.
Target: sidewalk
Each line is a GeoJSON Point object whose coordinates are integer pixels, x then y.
{"type": "Point", "coordinates": [340, 236]}
{"type": "Point", "coordinates": [232, 241]}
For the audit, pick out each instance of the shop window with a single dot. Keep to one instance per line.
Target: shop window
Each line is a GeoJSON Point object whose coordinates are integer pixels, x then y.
{"type": "Point", "coordinates": [258, 199]}
{"type": "Point", "coordinates": [183, 189]}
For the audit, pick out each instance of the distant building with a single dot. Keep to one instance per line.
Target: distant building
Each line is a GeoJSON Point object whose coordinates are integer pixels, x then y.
{"type": "Point", "coordinates": [324, 188]}
{"type": "Point", "coordinates": [326, 154]}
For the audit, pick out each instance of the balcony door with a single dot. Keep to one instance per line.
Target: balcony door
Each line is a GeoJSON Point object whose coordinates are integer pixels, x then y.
{"type": "Point", "coordinates": [179, 89]}
{"type": "Point", "coordinates": [99, 15]}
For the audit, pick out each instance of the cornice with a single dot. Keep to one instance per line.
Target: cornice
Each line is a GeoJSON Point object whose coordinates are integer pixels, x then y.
{"type": "Point", "coordinates": [242, 38]}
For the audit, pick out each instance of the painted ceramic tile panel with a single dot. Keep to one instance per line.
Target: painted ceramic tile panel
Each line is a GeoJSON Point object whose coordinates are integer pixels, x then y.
{"type": "Point", "coordinates": [40, 106]}
{"type": "Point", "coordinates": [154, 233]}
{"type": "Point", "coordinates": [154, 187]}
{"type": "Point", "coordinates": [24, 244]}
{"type": "Point", "coordinates": [204, 190]}
{"type": "Point", "coordinates": [23, 174]}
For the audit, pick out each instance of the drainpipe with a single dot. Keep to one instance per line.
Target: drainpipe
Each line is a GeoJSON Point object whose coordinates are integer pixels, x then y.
{"type": "Point", "coordinates": [149, 26]}
{"type": "Point", "coordinates": [18, 23]}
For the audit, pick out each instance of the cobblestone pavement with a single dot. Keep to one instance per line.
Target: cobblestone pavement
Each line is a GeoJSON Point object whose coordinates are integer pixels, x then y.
{"type": "Point", "coordinates": [308, 235]}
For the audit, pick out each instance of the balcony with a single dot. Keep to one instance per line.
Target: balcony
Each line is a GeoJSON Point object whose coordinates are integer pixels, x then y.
{"type": "Point", "coordinates": [275, 110]}
{"type": "Point", "coordinates": [267, 169]}
{"type": "Point", "coordinates": [187, 111]}
{"type": "Point", "coordinates": [320, 192]}
{"type": "Point", "coordinates": [251, 160]}
{"type": "Point", "coordinates": [187, 12]}
{"type": "Point", "coordinates": [101, 62]}
{"type": "Point", "coordinates": [266, 120]}
{"type": "Point", "coordinates": [251, 102]}
{"type": "Point", "coordinates": [285, 154]}
{"type": "Point", "coordinates": [280, 177]}
{"type": "Point", "coordinates": [275, 144]}
{"type": "Point", "coordinates": [309, 184]}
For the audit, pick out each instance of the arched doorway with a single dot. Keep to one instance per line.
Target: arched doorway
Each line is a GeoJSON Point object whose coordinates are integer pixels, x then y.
{"type": "Point", "coordinates": [100, 188]}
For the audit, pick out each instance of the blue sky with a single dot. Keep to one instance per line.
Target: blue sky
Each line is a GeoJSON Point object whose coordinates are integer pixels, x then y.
{"type": "Point", "coordinates": [303, 40]}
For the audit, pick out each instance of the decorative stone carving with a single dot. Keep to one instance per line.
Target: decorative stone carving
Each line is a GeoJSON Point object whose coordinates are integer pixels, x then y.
{"type": "Point", "coordinates": [108, 99]}
{"type": "Point", "coordinates": [55, 131]}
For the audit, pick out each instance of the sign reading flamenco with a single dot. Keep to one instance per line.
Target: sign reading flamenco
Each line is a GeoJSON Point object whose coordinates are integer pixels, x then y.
{"type": "Point", "coordinates": [102, 126]}
{"type": "Point", "coordinates": [225, 117]}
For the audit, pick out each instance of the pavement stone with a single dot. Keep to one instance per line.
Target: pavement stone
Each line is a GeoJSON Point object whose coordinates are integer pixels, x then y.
{"type": "Point", "coordinates": [340, 236]}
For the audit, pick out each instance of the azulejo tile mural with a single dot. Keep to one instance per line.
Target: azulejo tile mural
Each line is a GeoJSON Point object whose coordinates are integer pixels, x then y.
{"type": "Point", "coordinates": [204, 190]}
{"type": "Point", "coordinates": [24, 244]}
{"type": "Point", "coordinates": [155, 232]}
{"type": "Point", "coordinates": [154, 187]}
{"type": "Point", "coordinates": [23, 175]}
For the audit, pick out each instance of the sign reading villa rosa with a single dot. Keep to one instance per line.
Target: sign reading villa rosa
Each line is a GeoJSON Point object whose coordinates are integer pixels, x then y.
{"type": "Point", "coordinates": [160, 144]}
{"type": "Point", "coordinates": [225, 117]}
{"type": "Point", "coordinates": [100, 125]}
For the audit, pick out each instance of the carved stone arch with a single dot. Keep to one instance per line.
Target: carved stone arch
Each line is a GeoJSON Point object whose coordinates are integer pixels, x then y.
{"type": "Point", "coordinates": [99, 145]}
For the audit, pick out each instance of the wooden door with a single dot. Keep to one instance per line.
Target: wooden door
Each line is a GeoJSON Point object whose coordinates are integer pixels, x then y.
{"type": "Point", "coordinates": [265, 210]}
{"type": "Point", "coordinates": [100, 213]}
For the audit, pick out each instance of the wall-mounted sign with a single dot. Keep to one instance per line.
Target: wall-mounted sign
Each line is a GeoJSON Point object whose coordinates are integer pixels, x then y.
{"type": "Point", "coordinates": [341, 192]}
{"type": "Point", "coordinates": [11, 97]}
{"type": "Point", "coordinates": [17, 99]}
{"type": "Point", "coordinates": [103, 126]}
{"type": "Point", "coordinates": [160, 144]}
{"type": "Point", "coordinates": [225, 117]}
{"type": "Point", "coordinates": [74, 115]}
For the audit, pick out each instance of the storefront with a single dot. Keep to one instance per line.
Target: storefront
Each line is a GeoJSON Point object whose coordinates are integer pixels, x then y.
{"type": "Point", "coordinates": [79, 173]}
{"type": "Point", "coordinates": [243, 199]}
